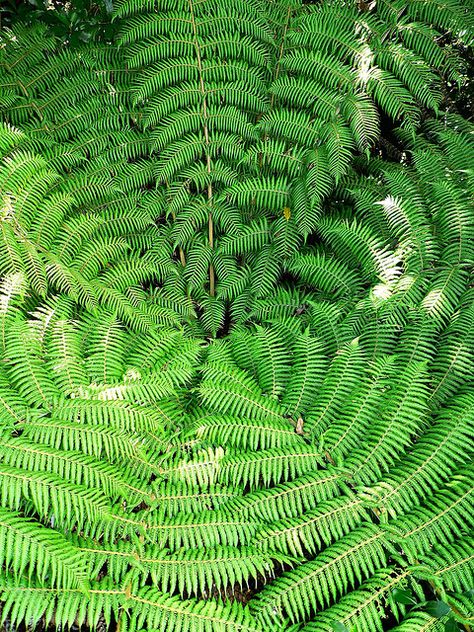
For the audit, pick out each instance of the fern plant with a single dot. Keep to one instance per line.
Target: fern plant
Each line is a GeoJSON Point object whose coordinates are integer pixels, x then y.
{"type": "Point", "coordinates": [312, 469]}
{"type": "Point", "coordinates": [153, 505]}
{"type": "Point", "coordinates": [266, 135]}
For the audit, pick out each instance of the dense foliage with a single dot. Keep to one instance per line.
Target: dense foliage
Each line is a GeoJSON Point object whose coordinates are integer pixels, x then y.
{"type": "Point", "coordinates": [237, 317]}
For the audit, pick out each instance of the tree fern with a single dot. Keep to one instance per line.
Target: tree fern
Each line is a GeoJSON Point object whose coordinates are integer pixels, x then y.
{"type": "Point", "coordinates": [236, 319]}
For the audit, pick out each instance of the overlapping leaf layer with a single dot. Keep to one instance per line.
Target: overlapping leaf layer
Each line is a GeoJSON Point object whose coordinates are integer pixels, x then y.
{"type": "Point", "coordinates": [237, 338]}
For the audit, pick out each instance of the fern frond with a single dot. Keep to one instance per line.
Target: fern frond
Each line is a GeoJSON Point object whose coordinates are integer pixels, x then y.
{"type": "Point", "coordinates": [232, 392]}
{"type": "Point", "coordinates": [191, 531]}
{"type": "Point", "coordinates": [402, 418]}
{"type": "Point", "coordinates": [25, 600]}
{"type": "Point", "coordinates": [301, 591]}
{"type": "Point", "coordinates": [416, 621]}
{"type": "Point", "coordinates": [341, 379]}
{"type": "Point", "coordinates": [306, 374]}
{"type": "Point", "coordinates": [361, 607]}
{"type": "Point", "coordinates": [96, 441]}
{"type": "Point", "coordinates": [442, 519]}
{"type": "Point", "coordinates": [72, 466]}
{"type": "Point", "coordinates": [155, 609]}
{"type": "Point", "coordinates": [26, 368]}
{"type": "Point", "coordinates": [347, 430]}
{"type": "Point", "coordinates": [201, 571]}
{"type": "Point", "coordinates": [444, 293]}
{"type": "Point", "coordinates": [356, 241]}
{"type": "Point", "coordinates": [66, 504]}
{"type": "Point", "coordinates": [324, 273]}
{"type": "Point", "coordinates": [329, 522]}
{"type": "Point", "coordinates": [26, 545]}
{"type": "Point", "coordinates": [267, 467]}
{"type": "Point", "coordinates": [454, 566]}
{"type": "Point", "coordinates": [289, 499]}
{"type": "Point", "coordinates": [246, 434]}
{"type": "Point", "coordinates": [431, 462]}
{"type": "Point", "coordinates": [174, 497]}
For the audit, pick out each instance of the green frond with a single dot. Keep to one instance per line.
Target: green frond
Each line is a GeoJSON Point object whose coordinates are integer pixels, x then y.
{"type": "Point", "coordinates": [54, 499]}
{"type": "Point", "coordinates": [393, 98]}
{"type": "Point", "coordinates": [289, 499]}
{"type": "Point", "coordinates": [318, 66]}
{"type": "Point", "coordinates": [26, 367]}
{"type": "Point", "coordinates": [273, 155]}
{"type": "Point", "coordinates": [413, 71]}
{"type": "Point", "coordinates": [422, 39]}
{"type": "Point", "coordinates": [453, 359]}
{"type": "Point", "coordinates": [272, 361]}
{"type": "Point", "coordinates": [416, 621]}
{"type": "Point", "coordinates": [191, 531]}
{"type": "Point", "coordinates": [324, 273]}
{"type": "Point", "coordinates": [213, 316]}
{"type": "Point", "coordinates": [292, 126]}
{"type": "Point", "coordinates": [252, 238]}
{"type": "Point", "coordinates": [202, 571]}
{"type": "Point", "coordinates": [307, 374]}
{"type": "Point", "coordinates": [65, 358]}
{"type": "Point", "coordinates": [443, 518]}
{"type": "Point", "coordinates": [454, 565]}
{"type": "Point", "coordinates": [319, 180]}
{"type": "Point", "coordinates": [340, 380]}
{"type": "Point", "coordinates": [346, 432]}
{"type": "Point", "coordinates": [357, 242]}
{"type": "Point", "coordinates": [94, 440]}
{"type": "Point", "coordinates": [155, 609]}
{"type": "Point", "coordinates": [199, 468]}
{"type": "Point", "coordinates": [232, 392]}
{"type": "Point", "coordinates": [13, 407]}
{"type": "Point", "coordinates": [403, 418]}
{"type": "Point", "coordinates": [361, 607]}
{"type": "Point", "coordinates": [267, 195]}
{"type": "Point", "coordinates": [246, 433]}
{"type": "Point", "coordinates": [451, 15]}
{"type": "Point", "coordinates": [174, 497]}
{"type": "Point", "coordinates": [26, 545]}
{"type": "Point", "coordinates": [455, 222]}
{"type": "Point", "coordinates": [363, 120]}
{"type": "Point", "coordinates": [312, 585]}
{"type": "Point", "coordinates": [309, 532]}
{"type": "Point", "coordinates": [199, 257]}
{"type": "Point", "coordinates": [340, 143]}
{"type": "Point", "coordinates": [114, 414]}
{"type": "Point", "coordinates": [325, 323]}
{"type": "Point", "coordinates": [72, 466]}
{"type": "Point", "coordinates": [267, 467]}
{"type": "Point", "coordinates": [266, 271]}
{"type": "Point", "coordinates": [461, 607]}
{"type": "Point", "coordinates": [444, 293]}
{"type": "Point", "coordinates": [428, 466]}
{"type": "Point", "coordinates": [32, 602]}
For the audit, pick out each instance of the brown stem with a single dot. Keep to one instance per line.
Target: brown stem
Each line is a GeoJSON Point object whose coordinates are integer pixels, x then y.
{"type": "Point", "coordinates": [206, 138]}
{"type": "Point", "coordinates": [280, 53]}
{"type": "Point", "coordinates": [212, 279]}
